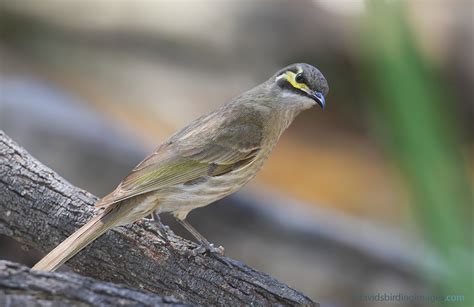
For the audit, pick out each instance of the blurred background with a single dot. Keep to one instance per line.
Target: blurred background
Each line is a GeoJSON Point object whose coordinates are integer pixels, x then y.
{"type": "Point", "coordinates": [373, 196]}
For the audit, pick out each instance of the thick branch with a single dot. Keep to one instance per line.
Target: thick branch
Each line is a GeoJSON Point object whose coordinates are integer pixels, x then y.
{"type": "Point", "coordinates": [40, 209]}
{"type": "Point", "coordinates": [21, 287]}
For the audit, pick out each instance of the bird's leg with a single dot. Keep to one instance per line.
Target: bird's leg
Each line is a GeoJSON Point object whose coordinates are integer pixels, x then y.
{"type": "Point", "coordinates": [205, 245]}
{"type": "Point", "coordinates": [163, 228]}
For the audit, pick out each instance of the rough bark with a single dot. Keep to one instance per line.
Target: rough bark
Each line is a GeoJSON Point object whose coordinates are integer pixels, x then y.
{"type": "Point", "coordinates": [40, 209]}
{"type": "Point", "coordinates": [21, 287]}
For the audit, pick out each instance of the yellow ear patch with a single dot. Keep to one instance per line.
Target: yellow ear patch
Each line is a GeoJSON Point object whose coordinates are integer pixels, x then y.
{"type": "Point", "coordinates": [291, 78]}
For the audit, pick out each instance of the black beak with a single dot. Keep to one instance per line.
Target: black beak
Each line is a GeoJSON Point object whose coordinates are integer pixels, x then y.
{"type": "Point", "coordinates": [319, 98]}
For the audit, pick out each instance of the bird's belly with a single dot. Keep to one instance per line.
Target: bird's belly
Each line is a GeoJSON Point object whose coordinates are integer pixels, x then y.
{"type": "Point", "coordinates": [187, 197]}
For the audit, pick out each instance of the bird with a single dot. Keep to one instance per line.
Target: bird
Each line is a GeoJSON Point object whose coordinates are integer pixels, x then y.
{"type": "Point", "coordinates": [212, 157]}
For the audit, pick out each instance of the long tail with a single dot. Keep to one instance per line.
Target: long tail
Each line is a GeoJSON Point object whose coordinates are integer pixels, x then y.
{"type": "Point", "coordinates": [77, 241]}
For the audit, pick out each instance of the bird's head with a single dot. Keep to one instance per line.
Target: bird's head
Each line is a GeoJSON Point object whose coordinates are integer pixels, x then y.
{"type": "Point", "coordinates": [300, 86]}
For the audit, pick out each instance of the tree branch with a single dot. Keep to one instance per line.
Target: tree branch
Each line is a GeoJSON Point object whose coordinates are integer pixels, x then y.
{"type": "Point", "coordinates": [40, 209]}
{"type": "Point", "coordinates": [21, 287]}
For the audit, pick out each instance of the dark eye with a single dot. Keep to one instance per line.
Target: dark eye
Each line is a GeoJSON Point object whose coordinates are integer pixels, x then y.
{"type": "Point", "coordinates": [299, 78]}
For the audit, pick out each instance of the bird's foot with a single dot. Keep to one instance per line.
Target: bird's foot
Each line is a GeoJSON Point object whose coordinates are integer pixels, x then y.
{"type": "Point", "coordinates": [208, 249]}
{"type": "Point", "coordinates": [161, 233]}
{"type": "Point", "coordinates": [211, 251]}
{"type": "Point", "coordinates": [163, 229]}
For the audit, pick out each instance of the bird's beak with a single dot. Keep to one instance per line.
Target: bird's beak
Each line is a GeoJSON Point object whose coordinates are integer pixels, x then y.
{"type": "Point", "coordinates": [318, 98]}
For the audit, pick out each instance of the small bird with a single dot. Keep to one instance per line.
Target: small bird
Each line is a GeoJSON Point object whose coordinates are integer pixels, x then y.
{"type": "Point", "coordinates": [212, 157]}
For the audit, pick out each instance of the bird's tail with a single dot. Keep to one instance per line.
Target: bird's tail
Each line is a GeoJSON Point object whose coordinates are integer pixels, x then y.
{"type": "Point", "coordinates": [77, 241]}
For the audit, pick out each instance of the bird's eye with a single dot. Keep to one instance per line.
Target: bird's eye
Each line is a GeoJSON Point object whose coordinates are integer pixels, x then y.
{"type": "Point", "coordinates": [299, 78]}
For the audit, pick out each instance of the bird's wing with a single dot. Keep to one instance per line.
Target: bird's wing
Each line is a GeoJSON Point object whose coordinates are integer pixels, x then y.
{"type": "Point", "coordinates": [190, 157]}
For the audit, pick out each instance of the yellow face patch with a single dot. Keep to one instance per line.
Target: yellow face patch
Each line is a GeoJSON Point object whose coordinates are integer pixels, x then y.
{"type": "Point", "coordinates": [291, 78]}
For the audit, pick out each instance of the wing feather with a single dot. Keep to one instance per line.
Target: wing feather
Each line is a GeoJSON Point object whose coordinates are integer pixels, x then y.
{"type": "Point", "coordinates": [186, 158]}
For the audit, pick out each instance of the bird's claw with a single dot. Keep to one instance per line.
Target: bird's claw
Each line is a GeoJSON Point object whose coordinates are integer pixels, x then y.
{"type": "Point", "coordinates": [211, 249]}
{"type": "Point", "coordinates": [207, 249]}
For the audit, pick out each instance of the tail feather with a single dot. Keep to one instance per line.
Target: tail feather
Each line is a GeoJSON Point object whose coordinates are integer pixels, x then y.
{"type": "Point", "coordinates": [76, 242]}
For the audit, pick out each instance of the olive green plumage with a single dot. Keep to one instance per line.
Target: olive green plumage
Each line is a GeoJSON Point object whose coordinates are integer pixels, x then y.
{"type": "Point", "coordinates": [212, 157]}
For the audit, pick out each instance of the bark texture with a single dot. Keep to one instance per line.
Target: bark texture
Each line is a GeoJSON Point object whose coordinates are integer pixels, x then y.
{"type": "Point", "coordinates": [20, 287]}
{"type": "Point", "coordinates": [40, 209]}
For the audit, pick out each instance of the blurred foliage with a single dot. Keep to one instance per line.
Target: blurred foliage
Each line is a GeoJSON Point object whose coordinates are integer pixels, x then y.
{"type": "Point", "coordinates": [412, 108]}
